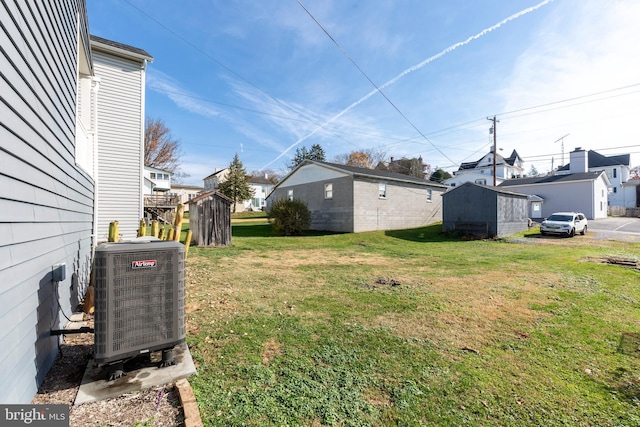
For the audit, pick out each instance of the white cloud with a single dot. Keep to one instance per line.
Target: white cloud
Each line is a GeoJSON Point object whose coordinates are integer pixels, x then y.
{"type": "Point", "coordinates": [166, 85]}
{"type": "Point", "coordinates": [586, 47]}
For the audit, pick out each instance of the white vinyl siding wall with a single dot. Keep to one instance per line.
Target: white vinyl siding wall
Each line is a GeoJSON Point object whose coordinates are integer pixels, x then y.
{"type": "Point", "coordinates": [120, 143]}
{"type": "Point", "coordinates": [46, 201]}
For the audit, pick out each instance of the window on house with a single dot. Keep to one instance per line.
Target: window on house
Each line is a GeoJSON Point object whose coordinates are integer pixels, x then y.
{"type": "Point", "coordinates": [328, 191]}
{"type": "Point", "coordinates": [615, 189]}
{"type": "Point", "coordinates": [152, 175]}
{"type": "Point", "coordinates": [429, 194]}
{"type": "Point", "coordinates": [615, 172]}
{"type": "Point", "coordinates": [382, 190]}
{"type": "Point", "coordinates": [481, 181]}
{"type": "Point", "coordinates": [290, 194]}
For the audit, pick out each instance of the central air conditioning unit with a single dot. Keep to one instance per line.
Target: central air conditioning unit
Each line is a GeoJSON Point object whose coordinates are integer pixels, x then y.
{"type": "Point", "coordinates": [139, 301]}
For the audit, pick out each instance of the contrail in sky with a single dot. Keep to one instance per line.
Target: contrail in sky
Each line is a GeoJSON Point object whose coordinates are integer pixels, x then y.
{"type": "Point", "coordinates": [409, 70]}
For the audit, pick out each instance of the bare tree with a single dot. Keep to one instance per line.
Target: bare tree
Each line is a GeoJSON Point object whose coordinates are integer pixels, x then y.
{"type": "Point", "coordinates": [161, 149]}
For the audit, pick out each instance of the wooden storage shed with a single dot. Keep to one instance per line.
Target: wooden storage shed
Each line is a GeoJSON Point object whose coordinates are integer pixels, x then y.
{"type": "Point", "coordinates": [484, 211]}
{"type": "Point", "coordinates": [210, 219]}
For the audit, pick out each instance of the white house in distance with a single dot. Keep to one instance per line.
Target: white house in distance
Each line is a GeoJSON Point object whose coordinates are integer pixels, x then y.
{"type": "Point", "coordinates": [481, 171]}
{"type": "Point", "coordinates": [212, 181]}
{"type": "Point", "coordinates": [156, 180]}
{"type": "Point", "coordinates": [617, 169]}
{"type": "Point", "coordinates": [261, 186]}
{"type": "Point", "coordinates": [185, 193]}
{"type": "Point", "coordinates": [577, 191]}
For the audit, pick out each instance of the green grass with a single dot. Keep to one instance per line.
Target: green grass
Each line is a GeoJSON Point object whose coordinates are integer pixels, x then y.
{"type": "Point", "coordinates": [412, 327]}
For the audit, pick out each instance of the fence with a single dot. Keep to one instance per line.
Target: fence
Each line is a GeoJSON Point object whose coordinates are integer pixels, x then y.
{"type": "Point", "coordinates": [622, 211]}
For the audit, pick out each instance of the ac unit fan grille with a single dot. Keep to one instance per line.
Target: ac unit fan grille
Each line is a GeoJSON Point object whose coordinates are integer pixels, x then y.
{"type": "Point", "coordinates": [138, 309]}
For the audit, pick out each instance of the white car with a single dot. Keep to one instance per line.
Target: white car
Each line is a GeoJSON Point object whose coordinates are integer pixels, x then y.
{"type": "Point", "coordinates": [564, 223]}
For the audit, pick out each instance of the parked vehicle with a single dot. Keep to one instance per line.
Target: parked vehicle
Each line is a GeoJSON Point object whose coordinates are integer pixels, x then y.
{"type": "Point", "coordinates": [564, 223]}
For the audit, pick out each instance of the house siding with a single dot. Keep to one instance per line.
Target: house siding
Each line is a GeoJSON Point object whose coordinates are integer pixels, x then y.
{"type": "Point", "coordinates": [588, 197]}
{"type": "Point", "coordinates": [46, 200]}
{"type": "Point", "coordinates": [512, 214]}
{"type": "Point", "coordinates": [335, 214]}
{"type": "Point", "coordinates": [405, 206]}
{"type": "Point", "coordinates": [355, 206]}
{"type": "Point", "coordinates": [120, 143]}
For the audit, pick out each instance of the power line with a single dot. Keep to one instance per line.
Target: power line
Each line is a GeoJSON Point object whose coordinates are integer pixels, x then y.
{"type": "Point", "coordinates": [206, 54]}
{"type": "Point", "coordinates": [372, 82]}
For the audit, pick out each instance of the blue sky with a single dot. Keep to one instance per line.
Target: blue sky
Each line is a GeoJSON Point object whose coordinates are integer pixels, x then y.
{"type": "Point", "coordinates": [261, 78]}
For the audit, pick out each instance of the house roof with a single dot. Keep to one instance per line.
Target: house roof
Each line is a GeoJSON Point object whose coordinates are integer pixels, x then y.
{"type": "Point", "coordinates": [259, 180]}
{"type": "Point", "coordinates": [485, 187]}
{"type": "Point", "coordinates": [585, 176]}
{"type": "Point", "coordinates": [597, 160]}
{"type": "Point", "coordinates": [151, 168]}
{"type": "Point", "coordinates": [214, 193]}
{"type": "Point", "coordinates": [511, 160]}
{"type": "Point", "coordinates": [216, 173]}
{"type": "Point", "coordinates": [119, 48]}
{"type": "Point", "coordinates": [370, 173]}
{"type": "Point", "coordinates": [187, 187]}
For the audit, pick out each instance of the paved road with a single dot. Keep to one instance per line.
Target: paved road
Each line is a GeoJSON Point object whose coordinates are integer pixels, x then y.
{"type": "Point", "coordinates": [617, 228]}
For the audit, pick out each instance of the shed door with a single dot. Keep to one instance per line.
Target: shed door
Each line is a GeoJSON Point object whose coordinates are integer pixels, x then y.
{"type": "Point", "coordinates": [536, 209]}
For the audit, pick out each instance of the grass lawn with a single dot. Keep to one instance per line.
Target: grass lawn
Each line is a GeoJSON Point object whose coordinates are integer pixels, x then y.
{"type": "Point", "coordinates": [411, 328]}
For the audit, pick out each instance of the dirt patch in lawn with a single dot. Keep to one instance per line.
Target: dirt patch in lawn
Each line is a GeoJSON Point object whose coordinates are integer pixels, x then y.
{"type": "Point", "coordinates": [473, 312]}
{"type": "Point", "coordinates": [617, 260]}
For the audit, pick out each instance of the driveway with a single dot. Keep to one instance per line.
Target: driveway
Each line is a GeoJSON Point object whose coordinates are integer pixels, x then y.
{"type": "Point", "coordinates": [616, 228]}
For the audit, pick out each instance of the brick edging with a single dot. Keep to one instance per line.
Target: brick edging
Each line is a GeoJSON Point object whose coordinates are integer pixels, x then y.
{"type": "Point", "coordinates": [189, 405]}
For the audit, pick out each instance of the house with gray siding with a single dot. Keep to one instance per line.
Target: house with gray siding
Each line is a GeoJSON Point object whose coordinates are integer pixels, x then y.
{"type": "Point", "coordinates": [352, 199]}
{"type": "Point", "coordinates": [120, 142]}
{"type": "Point", "coordinates": [484, 211]}
{"type": "Point", "coordinates": [46, 186]}
{"type": "Point", "coordinates": [578, 191]}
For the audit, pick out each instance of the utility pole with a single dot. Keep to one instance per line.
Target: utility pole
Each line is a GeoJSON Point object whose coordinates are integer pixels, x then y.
{"type": "Point", "coordinates": [493, 130]}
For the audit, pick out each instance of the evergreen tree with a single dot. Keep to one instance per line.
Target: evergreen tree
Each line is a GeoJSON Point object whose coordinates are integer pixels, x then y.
{"type": "Point", "coordinates": [439, 175]}
{"type": "Point", "coordinates": [236, 185]}
{"type": "Point", "coordinates": [315, 153]}
{"type": "Point", "coordinates": [533, 171]}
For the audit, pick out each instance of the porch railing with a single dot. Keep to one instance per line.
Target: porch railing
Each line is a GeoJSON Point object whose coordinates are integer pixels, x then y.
{"type": "Point", "coordinates": [159, 200]}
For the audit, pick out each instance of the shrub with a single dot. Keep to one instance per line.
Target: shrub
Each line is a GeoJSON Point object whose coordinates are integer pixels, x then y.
{"type": "Point", "coordinates": [289, 217]}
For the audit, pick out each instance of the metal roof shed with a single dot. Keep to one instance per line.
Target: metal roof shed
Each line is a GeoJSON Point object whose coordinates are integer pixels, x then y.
{"type": "Point", "coordinates": [484, 211]}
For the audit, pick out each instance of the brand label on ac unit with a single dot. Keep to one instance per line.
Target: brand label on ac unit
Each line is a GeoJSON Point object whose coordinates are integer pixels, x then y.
{"type": "Point", "coordinates": [147, 263]}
